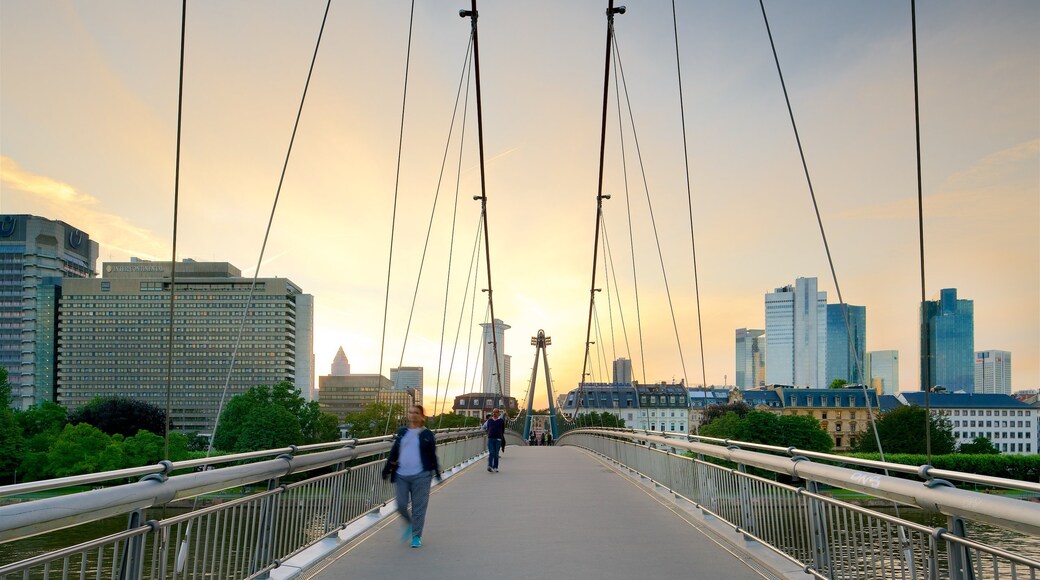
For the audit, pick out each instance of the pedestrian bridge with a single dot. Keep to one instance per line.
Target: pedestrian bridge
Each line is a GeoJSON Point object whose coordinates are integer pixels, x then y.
{"type": "Point", "coordinates": [608, 503]}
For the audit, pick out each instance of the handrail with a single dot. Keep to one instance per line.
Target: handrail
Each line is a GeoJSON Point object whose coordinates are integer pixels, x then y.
{"type": "Point", "coordinates": [924, 471]}
{"type": "Point", "coordinates": [932, 495]}
{"type": "Point", "coordinates": [166, 467]}
{"type": "Point", "coordinates": [25, 519]}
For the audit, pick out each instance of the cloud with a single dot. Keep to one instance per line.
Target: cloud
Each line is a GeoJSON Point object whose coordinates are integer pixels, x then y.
{"type": "Point", "coordinates": [55, 199]}
{"type": "Point", "coordinates": [1005, 174]}
{"type": "Point", "coordinates": [997, 166]}
{"type": "Point", "coordinates": [52, 190]}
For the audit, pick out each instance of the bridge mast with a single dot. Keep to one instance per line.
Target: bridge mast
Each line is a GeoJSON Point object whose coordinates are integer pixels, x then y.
{"type": "Point", "coordinates": [540, 342]}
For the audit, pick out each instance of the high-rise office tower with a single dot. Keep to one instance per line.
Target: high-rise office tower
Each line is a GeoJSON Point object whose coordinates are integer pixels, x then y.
{"type": "Point", "coordinates": [35, 255]}
{"type": "Point", "coordinates": [751, 358]}
{"type": "Point", "coordinates": [114, 336]}
{"type": "Point", "coordinates": [796, 331]}
{"type": "Point", "coordinates": [491, 382]}
{"type": "Point", "coordinates": [340, 364]}
{"type": "Point", "coordinates": [883, 370]}
{"type": "Point", "coordinates": [622, 371]}
{"type": "Point", "coordinates": [845, 361]}
{"type": "Point", "coordinates": [993, 372]}
{"type": "Point", "coordinates": [404, 378]}
{"type": "Point", "coordinates": [948, 342]}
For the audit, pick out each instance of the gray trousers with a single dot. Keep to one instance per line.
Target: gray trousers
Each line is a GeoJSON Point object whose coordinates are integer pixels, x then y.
{"type": "Point", "coordinates": [418, 487]}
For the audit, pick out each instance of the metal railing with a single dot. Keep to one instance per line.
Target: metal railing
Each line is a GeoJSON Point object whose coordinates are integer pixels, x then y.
{"type": "Point", "coordinates": [827, 537]}
{"type": "Point", "coordinates": [241, 538]}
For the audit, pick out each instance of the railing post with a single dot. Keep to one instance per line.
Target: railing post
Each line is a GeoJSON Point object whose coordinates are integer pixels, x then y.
{"type": "Point", "coordinates": [747, 513]}
{"type": "Point", "coordinates": [819, 531]}
{"type": "Point", "coordinates": [133, 551]}
{"type": "Point", "coordinates": [958, 554]}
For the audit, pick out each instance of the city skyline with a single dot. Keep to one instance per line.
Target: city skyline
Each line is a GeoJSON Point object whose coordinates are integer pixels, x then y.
{"type": "Point", "coordinates": [88, 111]}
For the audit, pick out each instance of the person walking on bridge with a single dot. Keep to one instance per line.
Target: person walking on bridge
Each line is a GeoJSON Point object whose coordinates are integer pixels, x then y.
{"type": "Point", "coordinates": [411, 466]}
{"type": "Point", "coordinates": [496, 433]}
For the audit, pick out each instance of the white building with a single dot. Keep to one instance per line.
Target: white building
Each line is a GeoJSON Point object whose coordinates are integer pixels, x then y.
{"type": "Point", "coordinates": [796, 335]}
{"type": "Point", "coordinates": [1011, 425]}
{"type": "Point", "coordinates": [490, 382]}
{"type": "Point", "coordinates": [883, 371]}
{"type": "Point", "coordinates": [993, 372]}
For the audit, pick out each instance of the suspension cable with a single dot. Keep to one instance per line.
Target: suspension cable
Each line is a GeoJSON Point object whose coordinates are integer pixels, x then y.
{"type": "Point", "coordinates": [451, 245]}
{"type": "Point", "coordinates": [462, 311]}
{"type": "Point", "coordinates": [393, 219]}
{"type": "Point", "coordinates": [631, 234]}
{"type": "Point", "coordinates": [819, 220]}
{"type": "Point", "coordinates": [433, 210]}
{"type": "Point", "coordinates": [926, 335]}
{"type": "Point", "coordinates": [263, 248]}
{"type": "Point", "coordinates": [617, 291]}
{"type": "Point", "coordinates": [653, 221]}
{"type": "Point", "coordinates": [689, 198]}
{"type": "Point", "coordinates": [173, 256]}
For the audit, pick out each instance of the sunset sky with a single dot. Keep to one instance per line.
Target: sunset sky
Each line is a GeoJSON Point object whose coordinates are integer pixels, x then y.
{"type": "Point", "coordinates": [88, 119]}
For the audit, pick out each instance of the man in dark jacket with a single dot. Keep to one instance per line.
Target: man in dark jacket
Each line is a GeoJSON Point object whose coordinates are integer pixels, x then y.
{"type": "Point", "coordinates": [411, 466]}
{"type": "Point", "coordinates": [496, 432]}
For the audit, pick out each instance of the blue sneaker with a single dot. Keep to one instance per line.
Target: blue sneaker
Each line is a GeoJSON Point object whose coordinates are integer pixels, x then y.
{"type": "Point", "coordinates": [416, 542]}
{"type": "Point", "coordinates": [407, 533]}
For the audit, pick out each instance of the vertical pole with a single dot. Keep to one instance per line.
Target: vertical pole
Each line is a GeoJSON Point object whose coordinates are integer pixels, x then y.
{"type": "Point", "coordinates": [133, 551]}
{"type": "Point", "coordinates": [548, 388]}
{"type": "Point", "coordinates": [819, 532]}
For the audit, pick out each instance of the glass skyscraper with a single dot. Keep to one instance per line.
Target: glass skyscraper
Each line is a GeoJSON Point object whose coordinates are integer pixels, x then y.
{"type": "Point", "coordinates": [35, 255]}
{"type": "Point", "coordinates": [844, 361]}
{"type": "Point", "coordinates": [751, 358]}
{"type": "Point", "coordinates": [948, 342]}
{"type": "Point", "coordinates": [883, 370]}
{"type": "Point", "coordinates": [796, 331]}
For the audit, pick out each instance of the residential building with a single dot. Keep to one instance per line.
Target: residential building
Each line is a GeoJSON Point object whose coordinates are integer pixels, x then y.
{"type": "Point", "coordinates": [883, 370]}
{"type": "Point", "coordinates": [846, 346]}
{"type": "Point", "coordinates": [618, 399]}
{"type": "Point", "coordinates": [491, 382]}
{"type": "Point", "coordinates": [480, 404]}
{"type": "Point", "coordinates": [751, 358]}
{"type": "Point", "coordinates": [796, 332]}
{"type": "Point", "coordinates": [1011, 425]}
{"type": "Point", "coordinates": [114, 336]}
{"type": "Point", "coordinates": [843, 413]}
{"type": "Point", "coordinates": [36, 253]}
{"type": "Point", "coordinates": [993, 372]}
{"type": "Point", "coordinates": [663, 407]}
{"type": "Point", "coordinates": [948, 342]}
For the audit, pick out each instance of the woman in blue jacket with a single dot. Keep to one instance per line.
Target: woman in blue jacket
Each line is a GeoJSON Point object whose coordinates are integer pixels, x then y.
{"type": "Point", "coordinates": [411, 466]}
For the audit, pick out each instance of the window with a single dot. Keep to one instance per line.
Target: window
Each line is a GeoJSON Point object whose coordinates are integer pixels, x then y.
{"type": "Point", "coordinates": [837, 441]}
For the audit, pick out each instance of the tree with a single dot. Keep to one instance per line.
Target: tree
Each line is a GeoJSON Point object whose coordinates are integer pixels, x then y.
{"type": "Point", "coordinates": [801, 431]}
{"type": "Point", "coordinates": [839, 383]}
{"type": "Point", "coordinates": [277, 416]}
{"type": "Point", "coordinates": [980, 446]}
{"type": "Point", "coordinates": [452, 421]}
{"type": "Point", "coordinates": [902, 430]}
{"type": "Point", "coordinates": [11, 441]}
{"type": "Point", "coordinates": [120, 415]}
{"type": "Point", "coordinates": [713, 412]}
{"type": "Point", "coordinates": [595, 419]}
{"type": "Point", "coordinates": [374, 420]}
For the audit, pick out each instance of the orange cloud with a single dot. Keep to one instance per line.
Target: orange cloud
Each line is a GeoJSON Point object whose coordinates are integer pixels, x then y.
{"type": "Point", "coordinates": [52, 190]}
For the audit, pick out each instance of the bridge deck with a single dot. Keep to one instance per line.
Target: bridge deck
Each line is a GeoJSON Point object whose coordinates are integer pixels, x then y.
{"type": "Point", "coordinates": [550, 512]}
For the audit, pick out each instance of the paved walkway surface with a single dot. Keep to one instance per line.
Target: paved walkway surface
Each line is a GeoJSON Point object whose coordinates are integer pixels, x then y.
{"type": "Point", "coordinates": [551, 512]}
